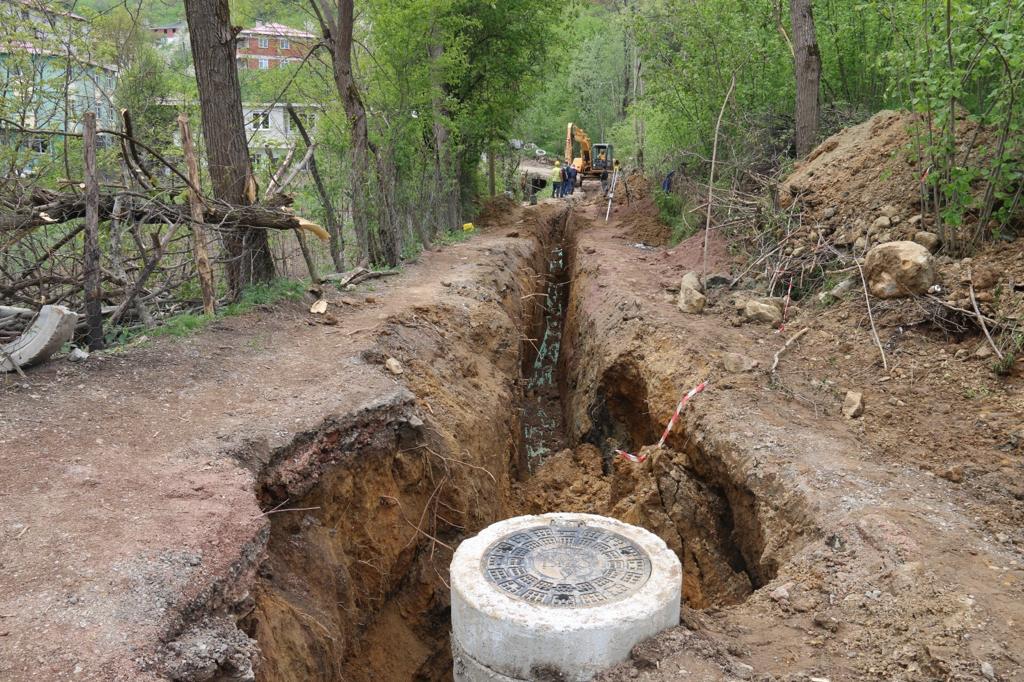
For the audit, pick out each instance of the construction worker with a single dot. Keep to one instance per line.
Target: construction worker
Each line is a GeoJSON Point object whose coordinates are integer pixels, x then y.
{"type": "Point", "coordinates": [556, 180]}
{"type": "Point", "coordinates": [565, 181]}
{"type": "Point", "coordinates": [571, 172]}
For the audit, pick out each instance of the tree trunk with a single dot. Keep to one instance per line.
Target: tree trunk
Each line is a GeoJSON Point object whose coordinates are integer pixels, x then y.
{"type": "Point", "coordinates": [807, 67]}
{"type": "Point", "coordinates": [491, 183]}
{"type": "Point", "coordinates": [93, 294]}
{"type": "Point", "coordinates": [227, 151]}
{"type": "Point", "coordinates": [337, 25]}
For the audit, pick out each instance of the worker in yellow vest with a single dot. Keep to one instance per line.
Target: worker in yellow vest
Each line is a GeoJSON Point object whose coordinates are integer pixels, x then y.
{"type": "Point", "coordinates": [556, 179]}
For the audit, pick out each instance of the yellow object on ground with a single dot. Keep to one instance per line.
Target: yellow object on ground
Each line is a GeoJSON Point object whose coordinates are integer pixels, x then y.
{"type": "Point", "coordinates": [468, 227]}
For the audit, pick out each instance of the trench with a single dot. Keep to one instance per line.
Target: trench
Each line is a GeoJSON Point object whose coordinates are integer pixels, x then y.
{"type": "Point", "coordinates": [356, 590]}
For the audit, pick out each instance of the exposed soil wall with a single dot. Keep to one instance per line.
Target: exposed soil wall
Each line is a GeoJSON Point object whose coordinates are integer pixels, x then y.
{"type": "Point", "coordinates": [355, 587]}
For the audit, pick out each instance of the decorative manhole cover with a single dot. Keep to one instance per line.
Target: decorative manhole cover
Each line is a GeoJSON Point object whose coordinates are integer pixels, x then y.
{"type": "Point", "coordinates": [567, 565]}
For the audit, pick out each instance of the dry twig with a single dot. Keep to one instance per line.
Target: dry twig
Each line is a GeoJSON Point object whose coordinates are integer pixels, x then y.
{"type": "Point", "coordinates": [793, 339]}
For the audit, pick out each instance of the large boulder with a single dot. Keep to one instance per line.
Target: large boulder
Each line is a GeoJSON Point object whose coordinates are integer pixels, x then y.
{"type": "Point", "coordinates": [691, 294]}
{"type": "Point", "coordinates": [897, 269]}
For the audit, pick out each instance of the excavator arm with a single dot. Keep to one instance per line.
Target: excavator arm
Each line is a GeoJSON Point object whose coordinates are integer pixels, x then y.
{"type": "Point", "coordinates": [577, 134]}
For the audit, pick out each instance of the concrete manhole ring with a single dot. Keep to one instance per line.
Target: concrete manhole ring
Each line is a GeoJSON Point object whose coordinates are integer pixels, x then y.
{"type": "Point", "coordinates": [566, 565]}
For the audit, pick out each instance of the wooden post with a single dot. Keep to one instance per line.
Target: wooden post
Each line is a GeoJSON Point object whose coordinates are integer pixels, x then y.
{"type": "Point", "coordinates": [195, 203]}
{"type": "Point", "coordinates": [93, 294]}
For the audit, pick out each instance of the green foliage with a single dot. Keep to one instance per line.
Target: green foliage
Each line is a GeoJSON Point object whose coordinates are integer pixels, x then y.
{"type": "Point", "coordinates": [960, 64]}
{"type": "Point", "coordinates": [187, 324]}
{"type": "Point", "coordinates": [674, 211]}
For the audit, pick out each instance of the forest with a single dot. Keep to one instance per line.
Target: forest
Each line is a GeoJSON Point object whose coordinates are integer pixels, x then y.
{"type": "Point", "coordinates": [417, 109]}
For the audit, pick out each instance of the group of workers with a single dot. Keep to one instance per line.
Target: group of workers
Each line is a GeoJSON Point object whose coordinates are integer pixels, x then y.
{"type": "Point", "coordinates": [563, 179]}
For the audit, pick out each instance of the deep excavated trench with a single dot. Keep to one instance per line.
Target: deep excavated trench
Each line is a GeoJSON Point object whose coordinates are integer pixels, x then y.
{"type": "Point", "coordinates": [355, 588]}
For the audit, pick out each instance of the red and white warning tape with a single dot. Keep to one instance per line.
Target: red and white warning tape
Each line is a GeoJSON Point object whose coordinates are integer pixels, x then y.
{"type": "Point", "coordinates": [671, 422]}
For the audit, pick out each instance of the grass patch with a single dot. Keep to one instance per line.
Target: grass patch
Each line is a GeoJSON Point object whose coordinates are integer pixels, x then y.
{"type": "Point", "coordinates": [454, 237]}
{"type": "Point", "coordinates": [187, 324]}
{"type": "Point", "coordinates": [674, 211]}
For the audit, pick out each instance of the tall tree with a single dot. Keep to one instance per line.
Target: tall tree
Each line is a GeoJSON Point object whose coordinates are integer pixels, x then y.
{"type": "Point", "coordinates": [807, 65]}
{"type": "Point", "coordinates": [337, 23]}
{"type": "Point", "coordinates": [220, 102]}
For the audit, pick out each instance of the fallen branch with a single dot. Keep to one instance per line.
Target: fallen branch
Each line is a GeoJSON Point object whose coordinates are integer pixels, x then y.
{"type": "Point", "coordinates": [343, 279]}
{"type": "Point", "coordinates": [711, 178]}
{"type": "Point", "coordinates": [871, 317]}
{"type": "Point", "coordinates": [793, 339]}
{"type": "Point", "coordinates": [981, 320]}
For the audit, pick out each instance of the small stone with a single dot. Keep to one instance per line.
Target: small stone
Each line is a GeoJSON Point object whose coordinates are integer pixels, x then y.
{"type": "Point", "coordinates": [954, 474]}
{"type": "Point", "coordinates": [914, 219]}
{"type": "Point", "coordinates": [742, 670]}
{"type": "Point", "coordinates": [394, 366]}
{"type": "Point", "coordinates": [880, 223]}
{"type": "Point", "coordinates": [734, 362]}
{"type": "Point", "coordinates": [928, 240]}
{"type": "Point", "coordinates": [760, 311]}
{"type": "Point", "coordinates": [77, 355]}
{"type": "Point", "coordinates": [961, 354]}
{"type": "Point", "coordinates": [780, 593]}
{"type": "Point", "coordinates": [829, 212]}
{"type": "Point", "coordinates": [717, 280]}
{"type": "Point", "coordinates": [988, 671]}
{"type": "Point", "coordinates": [888, 211]}
{"type": "Point", "coordinates": [853, 404]}
{"type": "Point", "coordinates": [985, 277]}
{"type": "Point", "coordinates": [983, 352]}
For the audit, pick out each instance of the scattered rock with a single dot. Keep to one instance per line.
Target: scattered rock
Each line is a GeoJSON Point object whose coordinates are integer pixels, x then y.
{"type": "Point", "coordinates": [761, 311]}
{"type": "Point", "coordinates": [691, 296]}
{"type": "Point", "coordinates": [719, 279]}
{"type": "Point", "coordinates": [983, 352]}
{"type": "Point", "coordinates": [928, 240]}
{"type": "Point", "coordinates": [394, 366]}
{"type": "Point", "coordinates": [954, 474]}
{"type": "Point", "coordinates": [985, 277]}
{"type": "Point", "coordinates": [77, 355]}
{"type": "Point", "coordinates": [900, 268]}
{"type": "Point", "coordinates": [691, 280]}
{"type": "Point", "coordinates": [734, 362]}
{"type": "Point", "coordinates": [914, 220]}
{"type": "Point", "coordinates": [889, 211]}
{"type": "Point", "coordinates": [781, 593]}
{"type": "Point", "coordinates": [853, 404]}
{"type": "Point", "coordinates": [880, 223]}
{"type": "Point", "coordinates": [988, 671]}
{"type": "Point", "coordinates": [691, 301]}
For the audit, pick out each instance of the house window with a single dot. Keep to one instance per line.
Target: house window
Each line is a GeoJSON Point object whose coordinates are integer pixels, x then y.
{"type": "Point", "coordinates": [264, 43]}
{"type": "Point", "coordinates": [285, 44]}
{"type": "Point", "coordinates": [260, 120]}
{"type": "Point", "coordinates": [242, 63]}
{"type": "Point", "coordinates": [264, 63]}
{"type": "Point", "coordinates": [243, 44]}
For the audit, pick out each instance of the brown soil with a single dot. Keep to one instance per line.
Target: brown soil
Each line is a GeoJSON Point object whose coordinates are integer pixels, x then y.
{"type": "Point", "coordinates": [269, 472]}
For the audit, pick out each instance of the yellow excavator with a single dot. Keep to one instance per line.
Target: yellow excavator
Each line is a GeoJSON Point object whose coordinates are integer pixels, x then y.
{"type": "Point", "coordinates": [593, 159]}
